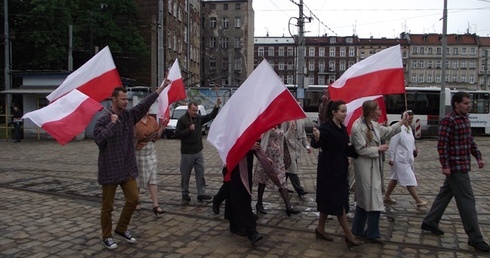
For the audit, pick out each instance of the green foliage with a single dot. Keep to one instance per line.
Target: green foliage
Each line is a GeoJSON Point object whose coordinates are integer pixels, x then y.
{"type": "Point", "coordinates": [39, 32]}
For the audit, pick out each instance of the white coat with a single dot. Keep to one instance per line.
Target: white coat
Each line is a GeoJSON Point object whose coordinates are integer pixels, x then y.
{"type": "Point", "coordinates": [367, 167]}
{"type": "Point", "coordinates": [400, 152]}
{"type": "Point", "coordinates": [295, 137]}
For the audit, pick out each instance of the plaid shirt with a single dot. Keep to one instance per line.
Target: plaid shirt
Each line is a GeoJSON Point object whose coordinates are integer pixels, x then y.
{"type": "Point", "coordinates": [456, 143]}
{"type": "Point", "coordinates": [117, 158]}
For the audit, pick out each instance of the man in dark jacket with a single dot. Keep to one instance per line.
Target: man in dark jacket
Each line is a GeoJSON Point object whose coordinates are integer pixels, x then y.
{"type": "Point", "coordinates": [189, 131]}
{"type": "Point", "coordinates": [114, 134]}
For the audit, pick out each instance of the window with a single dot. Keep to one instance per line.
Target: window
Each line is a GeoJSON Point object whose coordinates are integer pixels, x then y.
{"type": "Point", "coordinates": [238, 22]}
{"type": "Point", "coordinates": [280, 51]}
{"type": "Point", "coordinates": [362, 54]}
{"type": "Point", "coordinates": [311, 51]}
{"type": "Point", "coordinates": [415, 51]}
{"type": "Point", "coordinates": [422, 50]}
{"type": "Point", "coordinates": [472, 51]}
{"type": "Point", "coordinates": [331, 65]}
{"type": "Point", "coordinates": [342, 51]}
{"type": "Point", "coordinates": [413, 78]}
{"type": "Point", "coordinates": [311, 79]}
{"type": "Point", "coordinates": [429, 63]}
{"type": "Point", "coordinates": [224, 42]}
{"type": "Point", "coordinates": [321, 51]}
{"type": "Point", "coordinates": [290, 51]}
{"type": "Point", "coordinates": [404, 53]}
{"type": "Point", "coordinates": [212, 22]}
{"type": "Point", "coordinates": [429, 78]}
{"type": "Point", "coordinates": [321, 66]}
{"type": "Point", "coordinates": [455, 64]}
{"type": "Point", "coordinates": [281, 77]}
{"type": "Point", "coordinates": [463, 51]}
{"type": "Point", "coordinates": [289, 79]}
{"type": "Point", "coordinates": [238, 42]}
{"type": "Point", "coordinates": [430, 51]}
{"type": "Point", "coordinates": [170, 6]}
{"type": "Point", "coordinates": [224, 63]}
{"type": "Point", "coordinates": [455, 51]}
{"type": "Point", "coordinates": [348, 40]}
{"type": "Point", "coordinates": [185, 34]}
{"type": "Point", "coordinates": [447, 78]}
{"type": "Point", "coordinates": [270, 51]}
{"type": "Point", "coordinates": [237, 66]}
{"type": "Point", "coordinates": [422, 64]}
{"type": "Point", "coordinates": [463, 64]}
{"type": "Point", "coordinates": [438, 63]}
{"type": "Point", "coordinates": [352, 51]}
{"type": "Point", "coordinates": [311, 66]}
{"type": "Point", "coordinates": [290, 65]}
{"type": "Point", "coordinates": [342, 66]}
{"type": "Point", "coordinates": [439, 51]}
{"type": "Point", "coordinates": [463, 78]}
{"type": "Point", "coordinates": [414, 63]}
{"type": "Point", "coordinates": [333, 40]}
{"type": "Point", "coordinates": [321, 79]}
{"type": "Point", "coordinates": [438, 79]}
{"type": "Point", "coordinates": [281, 65]}
{"type": "Point", "coordinates": [226, 22]}
{"type": "Point", "coordinates": [472, 79]}
{"type": "Point", "coordinates": [272, 64]}
{"type": "Point", "coordinates": [260, 51]}
{"type": "Point", "coordinates": [225, 6]}
{"type": "Point", "coordinates": [212, 64]}
{"type": "Point", "coordinates": [472, 64]}
{"type": "Point", "coordinates": [212, 42]}
{"type": "Point", "coordinates": [351, 63]}
{"type": "Point", "coordinates": [455, 78]}
{"type": "Point", "coordinates": [447, 64]}
{"type": "Point", "coordinates": [332, 51]}
{"type": "Point", "coordinates": [421, 78]}
{"type": "Point", "coordinates": [237, 6]}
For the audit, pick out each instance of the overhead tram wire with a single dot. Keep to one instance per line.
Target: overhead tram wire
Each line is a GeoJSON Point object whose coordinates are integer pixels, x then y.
{"type": "Point", "coordinates": [318, 19]}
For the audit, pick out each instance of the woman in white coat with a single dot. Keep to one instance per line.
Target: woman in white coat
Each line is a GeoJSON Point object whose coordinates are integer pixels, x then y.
{"type": "Point", "coordinates": [366, 137]}
{"type": "Point", "coordinates": [401, 159]}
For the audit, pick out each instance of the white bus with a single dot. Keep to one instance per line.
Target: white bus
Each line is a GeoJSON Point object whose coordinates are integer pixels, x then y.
{"type": "Point", "coordinates": [424, 102]}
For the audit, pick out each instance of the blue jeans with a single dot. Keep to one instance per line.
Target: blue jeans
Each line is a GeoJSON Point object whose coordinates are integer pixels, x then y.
{"type": "Point", "coordinates": [359, 223]}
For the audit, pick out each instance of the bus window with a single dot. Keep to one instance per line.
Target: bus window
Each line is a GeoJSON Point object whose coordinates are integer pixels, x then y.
{"type": "Point", "coordinates": [479, 103]}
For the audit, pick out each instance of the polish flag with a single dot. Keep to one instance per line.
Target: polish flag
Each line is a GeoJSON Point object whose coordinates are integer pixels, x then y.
{"type": "Point", "coordinates": [172, 93]}
{"type": "Point", "coordinates": [354, 110]}
{"type": "Point", "coordinates": [259, 104]}
{"type": "Point", "coordinates": [97, 78]}
{"type": "Point", "coordinates": [379, 74]}
{"type": "Point", "coordinates": [67, 117]}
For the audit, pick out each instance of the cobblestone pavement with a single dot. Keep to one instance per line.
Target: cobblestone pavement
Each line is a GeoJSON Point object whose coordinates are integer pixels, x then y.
{"type": "Point", "coordinates": [51, 204]}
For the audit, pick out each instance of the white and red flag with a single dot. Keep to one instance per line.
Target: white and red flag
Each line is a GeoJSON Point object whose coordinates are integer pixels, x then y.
{"type": "Point", "coordinates": [97, 78]}
{"type": "Point", "coordinates": [260, 103]}
{"type": "Point", "coordinates": [172, 93]}
{"type": "Point", "coordinates": [379, 74]}
{"type": "Point", "coordinates": [370, 79]}
{"type": "Point", "coordinates": [67, 117]}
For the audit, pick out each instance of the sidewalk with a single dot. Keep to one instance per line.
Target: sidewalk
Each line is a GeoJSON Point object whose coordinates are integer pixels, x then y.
{"type": "Point", "coordinates": [51, 208]}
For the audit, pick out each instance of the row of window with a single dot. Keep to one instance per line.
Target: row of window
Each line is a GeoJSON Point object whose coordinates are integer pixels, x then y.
{"type": "Point", "coordinates": [237, 64]}
{"type": "Point", "coordinates": [225, 22]}
{"type": "Point", "coordinates": [438, 51]}
{"type": "Point", "coordinates": [429, 78]}
{"type": "Point", "coordinates": [271, 51]}
{"type": "Point", "coordinates": [289, 79]}
{"type": "Point", "coordinates": [454, 64]}
{"type": "Point", "coordinates": [212, 6]}
{"type": "Point", "coordinates": [213, 42]}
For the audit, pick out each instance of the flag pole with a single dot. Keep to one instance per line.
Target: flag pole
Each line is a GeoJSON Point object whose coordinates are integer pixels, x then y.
{"type": "Point", "coordinates": [406, 105]}
{"type": "Point", "coordinates": [111, 113]}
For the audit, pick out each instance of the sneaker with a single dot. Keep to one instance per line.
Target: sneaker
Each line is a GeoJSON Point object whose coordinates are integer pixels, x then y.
{"type": "Point", "coordinates": [388, 200]}
{"type": "Point", "coordinates": [109, 243]}
{"type": "Point", "coordinates": [126, 235]}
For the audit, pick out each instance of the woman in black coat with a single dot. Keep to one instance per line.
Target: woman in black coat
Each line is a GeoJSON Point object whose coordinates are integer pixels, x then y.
{"type": "Point", "coordinates": [332, 170]}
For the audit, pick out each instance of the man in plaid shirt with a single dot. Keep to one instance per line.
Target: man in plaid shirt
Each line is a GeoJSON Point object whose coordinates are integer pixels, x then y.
{"type": "Point", "coordinates": [455, 145]}
{"type": "Point", "coordinates": [114, 134]}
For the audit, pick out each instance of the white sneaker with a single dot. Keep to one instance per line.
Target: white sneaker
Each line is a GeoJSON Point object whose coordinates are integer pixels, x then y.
{"type": "Point", "coordinates": [109, 243]}
{"type": "Point", "coordinates": [126, 235]}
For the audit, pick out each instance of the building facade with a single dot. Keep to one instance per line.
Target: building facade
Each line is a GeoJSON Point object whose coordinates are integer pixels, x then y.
{"type": "Point", "coordinates": [226, 42]}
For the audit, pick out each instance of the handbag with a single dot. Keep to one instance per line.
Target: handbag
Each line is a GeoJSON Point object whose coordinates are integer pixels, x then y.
{"type": "Point", "coordinates": [287, 157]}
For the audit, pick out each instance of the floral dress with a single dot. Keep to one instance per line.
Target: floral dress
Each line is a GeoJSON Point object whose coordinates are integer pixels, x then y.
{"type": "Point", "coordinates": [274, 150]}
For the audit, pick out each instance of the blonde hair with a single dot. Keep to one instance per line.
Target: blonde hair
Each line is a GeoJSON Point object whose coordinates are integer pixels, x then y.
{"type": "Point", "coordinates": [368, 108]}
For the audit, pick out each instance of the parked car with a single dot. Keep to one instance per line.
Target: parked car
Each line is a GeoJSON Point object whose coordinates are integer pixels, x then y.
{"type": "Point", "coordinates": [177, 113]}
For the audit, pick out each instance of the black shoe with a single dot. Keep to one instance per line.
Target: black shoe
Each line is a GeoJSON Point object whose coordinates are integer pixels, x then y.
{"type": "Point", "coordinates": [375, 241]}
{"type": "Point", "coordinates": [255, 237]}
{"type": "Point", "coordinates": [290, 191]}
{"type": "Point", "coordinates": [238, 232]}
{"type": "Point", "coordinates": [302, 193]}
{"type": "Point", "coordinates": [215, 206]}
{"type": "Point", "coordinates": [186, 198]}
{"type": "Point", "coordinates": [260, 209]}
{"type": "Point", "coordinates": [482, 246]}
{"type": "Point", "coordinates": [434, 230]}
{"type": "Point", "coordinates": [291, 210]}
{"type": "Point", "coordinates": [203, 197]}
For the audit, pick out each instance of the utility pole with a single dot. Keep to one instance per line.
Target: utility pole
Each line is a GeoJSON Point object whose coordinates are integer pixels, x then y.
{"type": "Point", "coordinates": [70, 48]}
{"type": "Point", "coordinates": [485, 69]}
{"type": "Point", "coordinates": [442, 100]}
{"type": "Point", "coordinates": [300, 93]}
{"type": "Point", "coordinates": [161, 51]}
{"type": "Point", "coordinates": [7, 57]}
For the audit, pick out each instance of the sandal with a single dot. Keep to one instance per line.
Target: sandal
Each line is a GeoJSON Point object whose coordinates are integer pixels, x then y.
{"type": "Point", "coordinates": [138, 207]}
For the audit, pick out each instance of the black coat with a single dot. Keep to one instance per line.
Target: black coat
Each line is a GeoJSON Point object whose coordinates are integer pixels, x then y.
{"type": "Point", "coordinates": [332, 185]}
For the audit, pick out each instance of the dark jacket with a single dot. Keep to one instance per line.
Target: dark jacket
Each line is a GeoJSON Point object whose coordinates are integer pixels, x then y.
{"type": "Point", "coordinates": [191, 141]}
